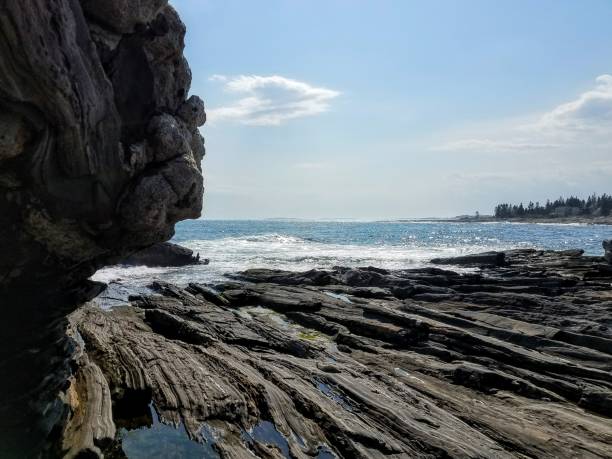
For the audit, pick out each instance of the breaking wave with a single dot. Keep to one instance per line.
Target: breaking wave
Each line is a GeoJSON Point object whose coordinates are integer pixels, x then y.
{"type": "Point", "coordinates": [235, 246]}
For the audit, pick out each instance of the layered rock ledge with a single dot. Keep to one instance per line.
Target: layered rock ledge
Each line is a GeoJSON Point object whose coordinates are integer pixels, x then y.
{"type": "Point", "coordinates": [513, 360]}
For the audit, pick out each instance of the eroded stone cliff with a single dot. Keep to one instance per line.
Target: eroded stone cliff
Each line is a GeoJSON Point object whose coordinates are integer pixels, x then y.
{"type": "Point", "coordinates": [99, 148]}
{"type": "Point", "coordinates": [100, 155]}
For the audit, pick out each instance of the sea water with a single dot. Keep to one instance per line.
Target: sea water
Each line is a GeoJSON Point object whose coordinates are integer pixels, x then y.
{"type": "Point", "coordinates": [233, 245]}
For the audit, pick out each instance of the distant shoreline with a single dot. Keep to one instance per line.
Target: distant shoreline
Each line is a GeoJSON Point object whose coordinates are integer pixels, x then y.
{"type": "Point", "coordinates": [559, 220]}
{"type": "Point", "coordinates": [458, 219]}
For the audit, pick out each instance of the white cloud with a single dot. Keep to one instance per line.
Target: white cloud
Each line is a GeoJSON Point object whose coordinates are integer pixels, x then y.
{"type": "Point", "coordinates": [216, 77]}
{"type": "Point", "coordinates": [492, 145]}
{"type": "Point", "coordinates": [560, 173]}
{"type": "Point", "coordinates": [584, 122]}
{"type": "Point", "coordinates": [311, 166]}
{"type": "Point", "coordinates": [592, 110]}
{"type": "Point", "coordinates": [270, 100]}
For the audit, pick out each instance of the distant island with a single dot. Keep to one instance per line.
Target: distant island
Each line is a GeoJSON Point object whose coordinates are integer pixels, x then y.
{"type": "Point", "coordinates": [592, 207]}
{"type": "Point", "coordinates": [593, 210]}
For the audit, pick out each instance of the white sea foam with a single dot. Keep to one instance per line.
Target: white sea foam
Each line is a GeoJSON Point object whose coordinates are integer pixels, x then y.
{"type": "Point", "coordinates": [526, 223]}
{"type": "Point", "coordinates": [562, 224]}
{"type": "Point", "coordinates": [277, 251]}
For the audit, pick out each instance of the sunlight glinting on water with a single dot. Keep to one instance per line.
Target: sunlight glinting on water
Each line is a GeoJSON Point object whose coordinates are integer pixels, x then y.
{"type": "Point", "coordinates": [233, 246]}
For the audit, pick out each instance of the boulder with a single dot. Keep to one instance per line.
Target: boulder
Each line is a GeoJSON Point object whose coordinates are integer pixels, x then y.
{"type": "Point", "coordinates": [607, 246]}
{"type": "Point", "coordinates": [164, 254]}
{"type": "Point", "coordinates": [479, 259]}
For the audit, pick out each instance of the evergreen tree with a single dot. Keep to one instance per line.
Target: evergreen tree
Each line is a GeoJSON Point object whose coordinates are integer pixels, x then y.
{"type": "Point", "coordinates": [593, 205]}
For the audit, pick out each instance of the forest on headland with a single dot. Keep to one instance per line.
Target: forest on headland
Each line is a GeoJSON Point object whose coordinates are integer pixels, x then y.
{"type": "Point", "coordinates": [594, 206]}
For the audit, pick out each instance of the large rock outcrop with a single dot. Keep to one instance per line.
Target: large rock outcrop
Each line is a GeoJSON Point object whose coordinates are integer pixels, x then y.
{"type": "Point", "coordinates": [100, 155]}
{"type": "Point", "coordinates": [164, 254]}
{"type": "Point", "coordinates": [99, 148]}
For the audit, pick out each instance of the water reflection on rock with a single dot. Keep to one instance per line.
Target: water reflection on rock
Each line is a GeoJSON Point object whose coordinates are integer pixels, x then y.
{"type": "Point", "coordinates": [160, 440]}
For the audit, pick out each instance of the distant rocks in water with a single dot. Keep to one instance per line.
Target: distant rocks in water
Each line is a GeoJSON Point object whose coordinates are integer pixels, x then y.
{"type": "Point", "coordinates": [607, 246]}
{"type": "Point", "coordinates": [479, 259]}
{"type": "Point", "coordinates": [99, 142]}
{"type": "Point", "coordinates": [164, 254]}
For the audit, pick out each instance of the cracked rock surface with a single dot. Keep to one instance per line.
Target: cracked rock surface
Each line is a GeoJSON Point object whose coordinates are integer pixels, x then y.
{"type": "Point", "coordinates": [513, 361]}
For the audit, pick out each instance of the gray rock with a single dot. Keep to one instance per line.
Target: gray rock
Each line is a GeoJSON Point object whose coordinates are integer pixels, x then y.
{"type": "Point", "coordinates": [192, 112]}
{"type": "Point", "coordinates": [607, 246]}
{"type": "Point", "coordinates": [168, 138]}
{"type": "Point", "coordinates": [163, 254]}
{"type": "Point", "coordinates": [480, 259]}
{"type": "Point", "coordinates": [122, 15]}
{"type": "Point", "coordinates": [100, 156]}
{"type": "Point", "coordinates": [93, 97]}
{"type": "Point", "coordinates": [208, 294]}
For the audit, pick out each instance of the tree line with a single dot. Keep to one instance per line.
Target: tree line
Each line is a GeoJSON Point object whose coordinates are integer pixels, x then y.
{"type": "Point", "coordinates": [593, 206]}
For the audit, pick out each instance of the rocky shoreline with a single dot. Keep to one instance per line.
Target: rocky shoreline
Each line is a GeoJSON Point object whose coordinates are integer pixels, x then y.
{"type": "Point", "coordinates": [575, 220]}
{"type": "Point", "coordinates": [100, 156]}
{"type": "Point", "coordinates": [511, 360]}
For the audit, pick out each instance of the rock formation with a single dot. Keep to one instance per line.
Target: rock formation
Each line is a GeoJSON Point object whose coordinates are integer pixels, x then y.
{"type": "Point", "coordinates": [100, 152]}
{"type": "Point", "coordinates": [607, 246]}
{"type": "Point", "coordinates": [511, 362]}
{"type": "Point", "coordinates": [164, 254]}
{"type": "Point", "coordinates": [479, 259]}
{"type": "Point", "coordinates": [100, 155]}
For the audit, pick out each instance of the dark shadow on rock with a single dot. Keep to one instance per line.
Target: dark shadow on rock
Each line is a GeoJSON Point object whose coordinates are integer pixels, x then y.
{"type": "Point", "coordinates": [164, 254]}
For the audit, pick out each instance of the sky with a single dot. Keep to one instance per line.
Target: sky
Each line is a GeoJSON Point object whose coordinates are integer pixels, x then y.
{"type": "Point", "coordinates": [375, 109]}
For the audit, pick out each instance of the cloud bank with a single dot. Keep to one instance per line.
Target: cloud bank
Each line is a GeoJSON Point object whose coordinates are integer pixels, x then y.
{"type": "Point", "coordinates": [270, 100]}
{"type": "Point", "coordinates": [592, 110]}
{"type": "Point", "coordinates": [585, 121]}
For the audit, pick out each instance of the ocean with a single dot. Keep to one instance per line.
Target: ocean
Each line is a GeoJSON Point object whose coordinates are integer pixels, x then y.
{"type": "Point", "coordinates": [235, 245]}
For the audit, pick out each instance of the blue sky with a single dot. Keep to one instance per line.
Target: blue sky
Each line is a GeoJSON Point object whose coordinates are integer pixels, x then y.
{"type": "Point", "coordinates": [399, 108]}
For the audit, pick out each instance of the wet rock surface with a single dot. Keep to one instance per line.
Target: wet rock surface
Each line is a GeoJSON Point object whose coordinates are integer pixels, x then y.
{"type": "Point", "coordinates": [509, 361]}
{"type": "Point", "coordinates": [479, 259]}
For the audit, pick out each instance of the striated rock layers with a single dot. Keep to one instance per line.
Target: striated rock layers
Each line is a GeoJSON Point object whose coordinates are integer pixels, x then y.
{"type": "Point", "coordinates": [100, 155]}
{"type": "Point", "coordinates": [511, 362]}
